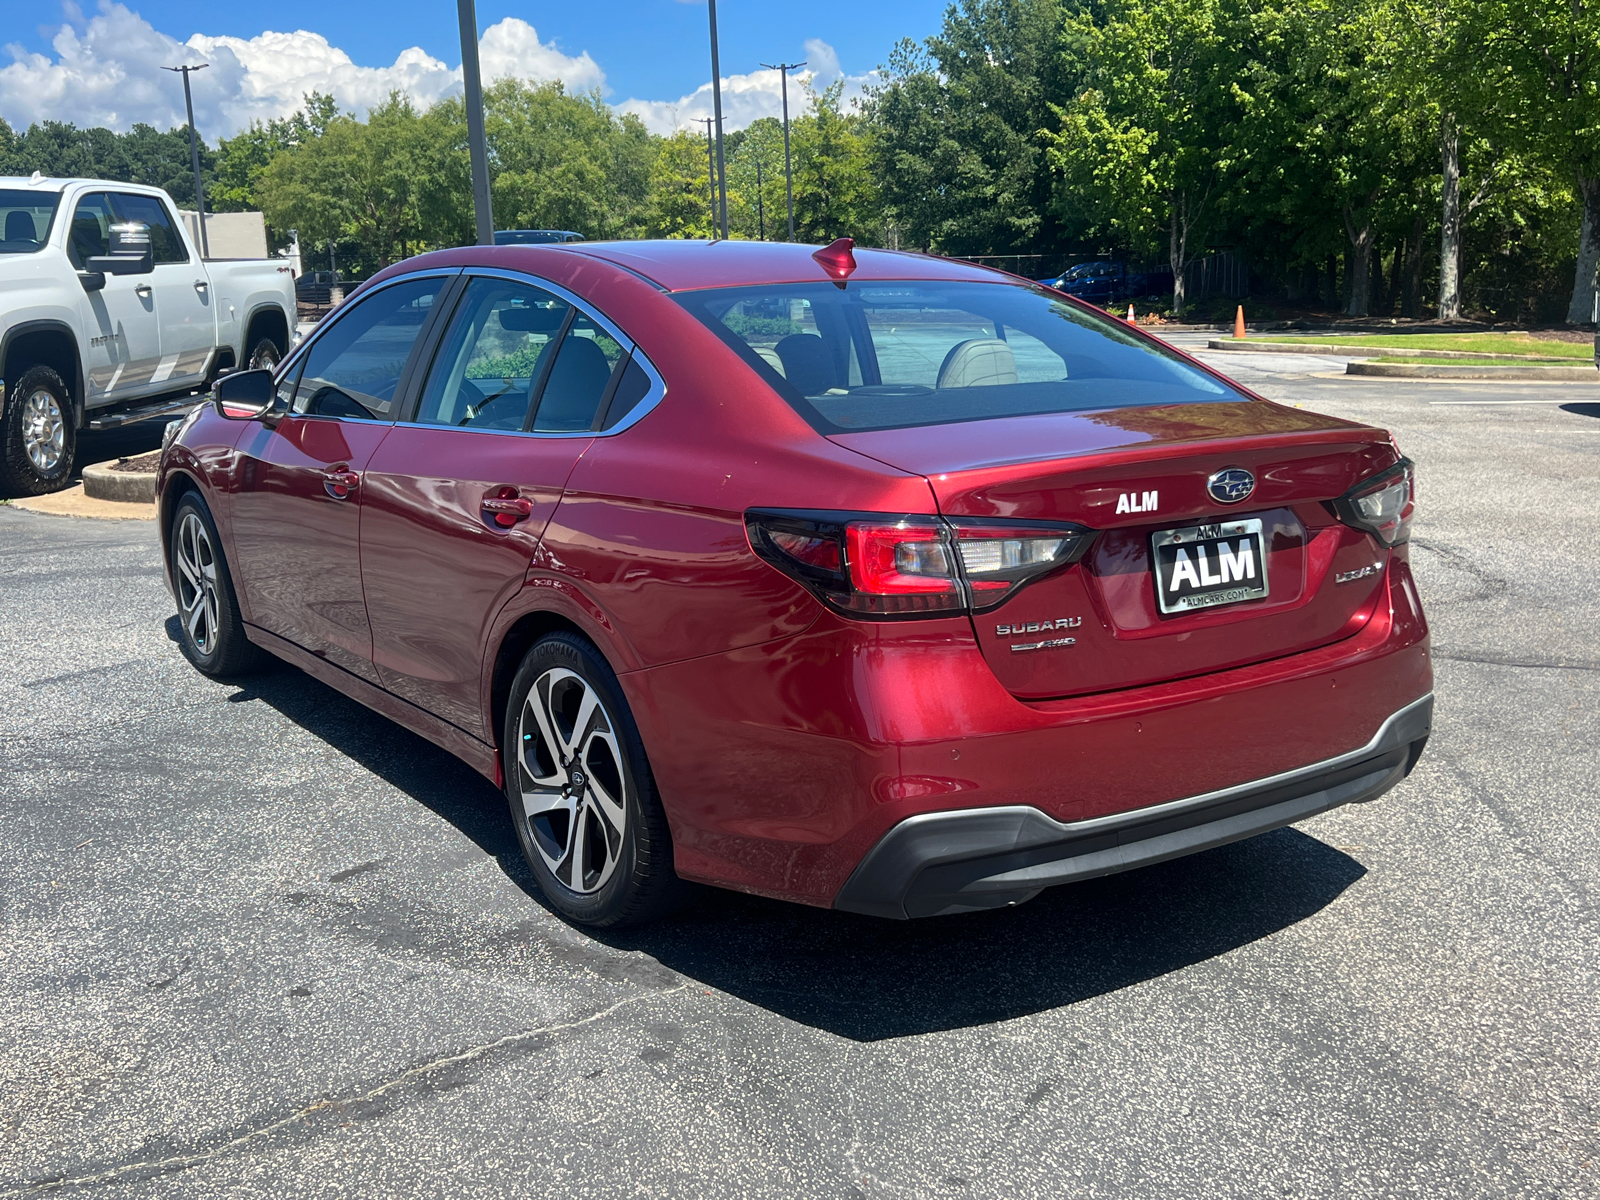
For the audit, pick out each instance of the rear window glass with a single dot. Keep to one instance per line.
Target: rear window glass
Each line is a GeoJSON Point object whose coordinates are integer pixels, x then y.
{"type": "Point", "coordinates": [892, 355]}
{"type": "Point", "coordinates": [25, 219]}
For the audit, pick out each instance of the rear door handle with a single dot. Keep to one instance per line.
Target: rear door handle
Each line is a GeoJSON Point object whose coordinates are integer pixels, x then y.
{"type": "Point", "coordinates": [339, 484]}
{"type": "Point", "coordinates": [505, 508]}
{"type": "Point", "coordinates": [200, 285]}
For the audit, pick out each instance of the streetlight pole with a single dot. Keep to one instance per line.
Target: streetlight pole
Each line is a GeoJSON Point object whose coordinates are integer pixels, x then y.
{"type": "Point", "coordinates": [711, 165]}
{"type": "Point", "coordinates": [476, 141]}
{"type": "Point", "coordinates": [761, 212]}
{"type": "Point", "coordinates": [716, 108]}
{"type": "Point", "coordinates": [194, 158]}
{"type": "Point", "coordinates": [788, 169]}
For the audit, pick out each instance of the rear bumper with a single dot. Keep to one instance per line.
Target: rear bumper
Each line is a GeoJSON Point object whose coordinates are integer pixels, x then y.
{"type": "Point", "coordinates": [973, 859]}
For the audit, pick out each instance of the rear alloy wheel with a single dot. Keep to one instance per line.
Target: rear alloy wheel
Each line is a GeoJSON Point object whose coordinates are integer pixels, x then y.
{"type": "Point", "coordinates": [211, 632]}
{"type": "Point", "coordinates": [581, 794]}
{"type": "Point", "coordinates": [40, 440]}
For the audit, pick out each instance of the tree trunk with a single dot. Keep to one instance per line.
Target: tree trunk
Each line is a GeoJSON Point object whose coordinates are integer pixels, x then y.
{"type": "Point", "coordinates": [1450, 222]}
{"type": "Point", "coordinates": [1396, 277]}
{"type": "Point", "coordinates": [1178, 256]}
{"type": "Point", "coordinates": [1413, 302]}
{"type": "Point", "coordinates": [1379, 299]}
{"type": "Point", "coordinates": [1581, 310]}
{"type": "Point", "coordinates": [1358, 276]}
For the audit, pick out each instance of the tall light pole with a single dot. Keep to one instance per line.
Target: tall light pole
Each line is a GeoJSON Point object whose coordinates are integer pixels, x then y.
{"type": "Point", "coordinates": [788, 170]}
{"type": "Point", "coordinates": [716, 108]}
{"type": "Point", "coordinates": [761, 212]}
{"type": "Point", "coordinates": [194, 158]}
{"type": "Point", "coordinates": [479, 146]}
{"type": "Point", "coordinates": [711, 166]}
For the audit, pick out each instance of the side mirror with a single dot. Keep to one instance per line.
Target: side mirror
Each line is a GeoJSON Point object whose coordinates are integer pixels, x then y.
{"type": "Point", "coordinates": [93, 281]}
{"type": "Point", "coordinates": [243, 395]}
{"type": "Point", "coordinates": [130, 251]}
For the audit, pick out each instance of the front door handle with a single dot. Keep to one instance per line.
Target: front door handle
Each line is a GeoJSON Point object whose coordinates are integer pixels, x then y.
{"type": "Point", "coordinates": [200, 285]}
{"type": "Point", "coordinates": [142, 290]}
{"type": "Point", "coordinates": [505, 508]}
{"type": "Point", "coordinates": [339, 483]}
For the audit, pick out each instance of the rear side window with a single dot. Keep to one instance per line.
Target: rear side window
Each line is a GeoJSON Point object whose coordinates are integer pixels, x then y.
{"type": "Point", "coordinates": [165, 244]}
{"type": "Point", "coordinates": [485, 373]}
{"type": "Point", "coordinates": [354, 368]}
{"type": "Point", "coordinates": [25, 219]}
{"type": "Point", "coordinates": [578, 379]}
{"type": "Point", "coordinates": [893, 355]}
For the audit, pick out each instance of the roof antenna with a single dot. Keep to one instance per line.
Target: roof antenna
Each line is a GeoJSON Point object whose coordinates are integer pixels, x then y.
{"type": "Point", "coordinates": [34, 178]}
{"type": "Point", "coordinates": [838, 259]}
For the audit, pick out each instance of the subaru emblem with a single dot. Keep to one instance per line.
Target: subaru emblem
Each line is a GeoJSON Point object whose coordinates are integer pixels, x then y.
{"type": "Point", "coordinates": [1231, 485]}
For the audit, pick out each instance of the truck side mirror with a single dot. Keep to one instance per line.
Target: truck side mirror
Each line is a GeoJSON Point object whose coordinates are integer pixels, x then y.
{"type": "Point", "coordinates": [130, 251]}
{"type": "Point", "coordinates": [243, 395]}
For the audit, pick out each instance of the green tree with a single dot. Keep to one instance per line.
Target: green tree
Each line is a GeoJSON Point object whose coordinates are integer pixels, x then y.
{"type": "Point", "coordinates": [242, 159]}
{"type": "Point", "coordinates": [680, 201]}
{"type": "Point", "coordinates": [835, 189]}
{"type": "Point", "coordinates": [758, 211]}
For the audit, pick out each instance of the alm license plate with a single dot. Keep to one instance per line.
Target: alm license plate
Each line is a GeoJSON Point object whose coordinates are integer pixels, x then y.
{"type": "Point", "coordinates": [1204, 566]}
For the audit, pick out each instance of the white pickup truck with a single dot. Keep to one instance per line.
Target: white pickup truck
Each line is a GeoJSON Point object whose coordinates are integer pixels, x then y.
{"type": "Point", "coordinates": [108, 315]}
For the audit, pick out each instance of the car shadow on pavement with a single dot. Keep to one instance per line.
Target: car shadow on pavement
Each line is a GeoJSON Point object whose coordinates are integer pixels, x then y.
{"type": "Point", "coordinates": [1582, 410]}
{"type": "Point", "coordinates": [864, 978]}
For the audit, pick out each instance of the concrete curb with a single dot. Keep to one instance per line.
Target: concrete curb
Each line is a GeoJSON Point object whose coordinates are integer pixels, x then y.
{"type": "Point", "coordinates": [1545, 374]}
{"type": "Point", "coordinates": [1376, 352]}
{"type": "Point", "coordinates": [73, 503]}
{"type": "Point", "coordinates": [104, 482]}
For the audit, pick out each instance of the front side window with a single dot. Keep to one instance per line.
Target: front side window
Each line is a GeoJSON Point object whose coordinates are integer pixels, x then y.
{"type": "Point", "coordinates": [25, 219]}
{"type": "Point", "coordinates": [893, 355]}
{"type": "Point", "coordinates": [485, 373]}
{"type": "Point", "coordinates": [165, 244]}
{"type": "Point", "coordinates": [90, 235]}
{"type": "Point", "coordinates": [354, 368]}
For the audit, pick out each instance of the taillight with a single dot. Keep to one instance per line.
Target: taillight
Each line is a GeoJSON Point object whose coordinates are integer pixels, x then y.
{"type": "Point", "coordinates": [877, 566]}
{"type": "Point", "coordinates": [1382, 505]}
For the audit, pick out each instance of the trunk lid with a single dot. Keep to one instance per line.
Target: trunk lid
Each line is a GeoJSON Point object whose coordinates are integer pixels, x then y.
{"type": "Point", "coordinates": [1131, 474]}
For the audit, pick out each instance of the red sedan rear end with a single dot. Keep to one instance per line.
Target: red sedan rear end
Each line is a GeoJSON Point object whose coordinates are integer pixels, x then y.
{"type": "Point", "coordinates": [859, 579]}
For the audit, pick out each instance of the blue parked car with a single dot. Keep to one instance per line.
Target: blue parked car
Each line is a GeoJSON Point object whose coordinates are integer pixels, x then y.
{"type": "Point", "coordinates": [1109, 282]}
{"type": "Point", "coordinates": [534, 237]}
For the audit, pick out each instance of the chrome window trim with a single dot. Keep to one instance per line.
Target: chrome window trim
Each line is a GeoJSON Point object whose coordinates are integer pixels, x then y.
{"type": "Point", "coordinates": [293, 361]}
{"type": "Point", "coordinates": [653, 397]}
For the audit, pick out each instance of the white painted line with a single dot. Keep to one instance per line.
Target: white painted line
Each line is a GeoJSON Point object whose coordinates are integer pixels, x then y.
{"type": "Point", "coordinates": [1458, 403]}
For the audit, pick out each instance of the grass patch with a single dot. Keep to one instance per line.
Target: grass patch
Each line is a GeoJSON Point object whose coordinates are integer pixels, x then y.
{"type": "Point", "coordinates": [1483, 343]}
{"type": "Point", "coordinates": [1473, 362]}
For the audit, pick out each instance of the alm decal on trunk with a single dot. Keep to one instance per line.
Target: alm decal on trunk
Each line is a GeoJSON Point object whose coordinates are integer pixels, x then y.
{"type": "Point", "coordinates": [1132, 502]}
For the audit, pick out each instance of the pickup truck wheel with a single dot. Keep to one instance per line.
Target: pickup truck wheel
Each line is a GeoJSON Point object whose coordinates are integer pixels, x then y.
{"type": "Point", "coordinates": [265, 354]}
{"type": "Point", "coordinates": [210, 631]}
{"type": "Point", "coordinates": [40, 441]}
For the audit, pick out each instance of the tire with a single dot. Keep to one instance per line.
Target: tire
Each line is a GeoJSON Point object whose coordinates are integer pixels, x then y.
{"type": "Point", "coordinates": [41, 441]}
{"type": "Point", "coordinates": [211, 633]}
{"type": "Point", "coordinates": [573, 788]}
{"type": "Point", "coordinates": [265, 354]}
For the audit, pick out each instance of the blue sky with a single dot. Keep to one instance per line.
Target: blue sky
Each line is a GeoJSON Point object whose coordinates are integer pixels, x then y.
{"type": "Point", "coordinates": [652, 51]}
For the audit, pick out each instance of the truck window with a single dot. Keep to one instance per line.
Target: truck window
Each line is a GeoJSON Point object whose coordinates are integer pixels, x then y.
{"type": "Point", "coordinates": [165, 244]}
{"type": "Point", "coordinates": [25, 219]}
{"type": "Point", "coordinates": [91, 228]}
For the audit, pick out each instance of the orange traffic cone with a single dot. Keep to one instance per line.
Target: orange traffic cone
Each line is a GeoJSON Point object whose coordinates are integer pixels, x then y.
{"type": "Point", "coordinates": [1130, 314]}
{"type": "Point", "coordinates": [1238, 323]}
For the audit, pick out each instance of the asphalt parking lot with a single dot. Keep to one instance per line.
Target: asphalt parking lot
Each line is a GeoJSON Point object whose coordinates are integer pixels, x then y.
{"type": "Point", "coordinates": [259, 941]}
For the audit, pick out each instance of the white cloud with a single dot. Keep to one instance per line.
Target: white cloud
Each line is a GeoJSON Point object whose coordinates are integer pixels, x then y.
{"type": "Point", "coordinates": [747, 98]}
{"type": "Point", "coordinates": [107, 71]}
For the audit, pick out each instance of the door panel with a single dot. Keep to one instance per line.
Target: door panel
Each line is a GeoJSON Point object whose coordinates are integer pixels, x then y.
{"type": "Point", "coordinates": [123, 333]}
{"type": "Point", "coordinates": [456, 500]}
{"type": "Point", "coordinates": [297, 507]}
{"type": "Point", "coordinates": [183, 306]}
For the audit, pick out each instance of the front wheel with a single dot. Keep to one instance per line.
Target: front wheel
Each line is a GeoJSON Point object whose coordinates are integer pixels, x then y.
{"type": "Point", "coordinates": [211, 632]}
{"type": "Point", "coordinates": [582, 797]}
{"type": "Point", "coordinates": [40, 439]}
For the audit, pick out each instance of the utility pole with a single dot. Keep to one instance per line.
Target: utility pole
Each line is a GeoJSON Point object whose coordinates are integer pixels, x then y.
{"type": "Point", "coordinates": [711, 164]}
{"type": "Point", "coordinates": [479, 146]}
{"type": "Point", "coordinates": [788, 169]}
{"type": "Point", "coordinates": [194, 159]}
{"type": "Point", "coordinates": [761, 212]}
{"type": "Point", "coordinates": [716, 108]}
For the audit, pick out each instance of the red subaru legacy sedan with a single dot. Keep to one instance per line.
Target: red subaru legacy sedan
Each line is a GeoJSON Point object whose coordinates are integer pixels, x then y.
{"type": "Point", "coordinates": [861, 579]}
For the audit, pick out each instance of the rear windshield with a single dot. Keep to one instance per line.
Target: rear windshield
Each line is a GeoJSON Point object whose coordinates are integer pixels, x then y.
{"type": "Point", "coordinates": [892, 355]}
{"type": "Point", "coordinates": [25, 219]}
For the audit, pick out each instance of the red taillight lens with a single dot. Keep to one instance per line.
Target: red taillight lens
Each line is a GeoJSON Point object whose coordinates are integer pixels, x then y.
{"type": "Point", "coordinates": [1382, 505]}
{"type": "Point", "coordinates": [903, 567]}
{"type": "Point", "coordinates": [873, 566]}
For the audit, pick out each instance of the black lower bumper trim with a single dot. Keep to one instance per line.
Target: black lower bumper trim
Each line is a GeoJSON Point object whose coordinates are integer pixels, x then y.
{"type": "Point", "coordinates": [981, 858]}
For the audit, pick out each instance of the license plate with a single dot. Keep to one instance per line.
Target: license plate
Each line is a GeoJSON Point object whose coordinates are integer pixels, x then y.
{"type": "Point", "coordinates": [1205, 566]}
